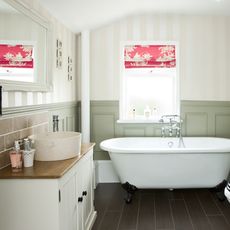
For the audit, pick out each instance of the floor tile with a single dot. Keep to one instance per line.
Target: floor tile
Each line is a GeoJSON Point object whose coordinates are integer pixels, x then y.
{"type": "Point", "coordinates": [160, 209]}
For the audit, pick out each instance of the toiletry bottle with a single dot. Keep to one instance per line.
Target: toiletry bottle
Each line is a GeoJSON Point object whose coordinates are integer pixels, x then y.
{"type": "Point", "coordinates": [28, 153]}
{"type": "Point", "coordinates": [134, 113]}
{"type": "Point", "coordinates": [154, 113]}
{"type": "Point", "coordinates": [27, 144]}
{"type": "Point", "coordinates": [147, 112]}
{"type": "Point", "coordinates": [16, 157]}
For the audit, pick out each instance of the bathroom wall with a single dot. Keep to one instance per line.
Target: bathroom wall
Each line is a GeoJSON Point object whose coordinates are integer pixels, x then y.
{"type": "Point", "coordinates": [63, 90]}
{"type": "Point", "coordinates": [20, 122]}
{"type": "Point", "coordinates": [203, 53]}
{"type": "Point", "coordinates": [204, 72]}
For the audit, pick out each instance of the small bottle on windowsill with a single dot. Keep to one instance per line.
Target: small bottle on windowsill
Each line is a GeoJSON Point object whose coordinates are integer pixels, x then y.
{"type": "Point", "coordinates": [134, 113]}
{"type": "Point", "coordinates": [147, 112]}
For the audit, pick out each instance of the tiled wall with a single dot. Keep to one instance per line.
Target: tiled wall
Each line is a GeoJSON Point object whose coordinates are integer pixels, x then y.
{"type": "Point", "coordinates": [19, 127]}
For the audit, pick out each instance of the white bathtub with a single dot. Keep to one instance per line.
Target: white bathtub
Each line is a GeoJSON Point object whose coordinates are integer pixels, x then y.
{"type": "Point", "coordinates": [152, 162]}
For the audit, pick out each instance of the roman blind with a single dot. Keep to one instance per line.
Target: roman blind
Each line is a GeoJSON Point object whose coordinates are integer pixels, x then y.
{"type": "Point", "coordinates": [149, 56]}
{"type": "Point", "coordinates": [16, 56]}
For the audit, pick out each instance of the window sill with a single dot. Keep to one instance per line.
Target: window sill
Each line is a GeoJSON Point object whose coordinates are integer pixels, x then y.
{"type": "Point", "coordinates": [140, 121]}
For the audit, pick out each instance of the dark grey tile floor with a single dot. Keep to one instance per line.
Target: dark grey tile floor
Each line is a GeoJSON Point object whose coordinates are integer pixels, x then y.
{"type": "Point", "coordinates": [187, 209]}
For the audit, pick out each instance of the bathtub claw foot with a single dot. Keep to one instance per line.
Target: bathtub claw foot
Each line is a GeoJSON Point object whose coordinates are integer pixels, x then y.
{"type": "Point", "coordinates": [128, 199]}
{"type": "Point", "coordinates": [220, 186]}
{"type": "Point", "coordinates": [219, 190]}
{"type": "Point", "coordinates": [130, 189]}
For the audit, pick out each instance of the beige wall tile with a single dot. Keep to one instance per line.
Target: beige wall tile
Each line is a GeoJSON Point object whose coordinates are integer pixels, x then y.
{"type": "Point", "coordinates": [6, 125]}
{"type": "Point", "coordinates": [20, 123]}
{"type": "Point", "coordinates": [40, 129]}
{"type": "Point", "coordinates": [26, 132]}
{"type": "Point", "coordinates": [4, 159]}
{"type": "Point", "coordinates": [10, 138]}
{"type": "Point", "coordinates": [2, 143]}
{"type": "Point", "coordinates": [36, 119]}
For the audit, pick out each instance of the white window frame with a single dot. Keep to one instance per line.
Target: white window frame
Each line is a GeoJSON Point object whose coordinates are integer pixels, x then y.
{"type": "Point", "coordinates": [122, 105]}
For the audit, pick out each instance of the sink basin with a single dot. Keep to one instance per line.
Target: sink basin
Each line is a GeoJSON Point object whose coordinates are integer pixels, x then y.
{"type": "Point", "coordinates": [57, 146]}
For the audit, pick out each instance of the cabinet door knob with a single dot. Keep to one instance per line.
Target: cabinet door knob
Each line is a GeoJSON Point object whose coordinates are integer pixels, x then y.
{"type": "Point", "coordinates": [80, 199]}
{"type": "Point", "coordinates": [84, 193]}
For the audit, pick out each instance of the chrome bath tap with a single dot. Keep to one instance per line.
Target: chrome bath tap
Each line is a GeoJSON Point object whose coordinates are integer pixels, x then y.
{"type": "Point", "coordinates": [174, 124]}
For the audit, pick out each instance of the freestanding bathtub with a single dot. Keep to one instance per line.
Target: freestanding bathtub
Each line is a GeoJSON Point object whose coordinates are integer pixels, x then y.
{"type": "Point", "coordinates": [152, 162]}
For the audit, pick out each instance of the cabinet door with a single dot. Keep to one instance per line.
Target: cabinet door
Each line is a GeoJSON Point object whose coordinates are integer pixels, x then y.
{"type": "Point", "coordinates": [79, 197]}
{"type": "Point", "coordinates": [84, 189]}
{"type": "Point", "coordinates": [87, 191]}
{"type": "Point", "coordinates": [67, 205]}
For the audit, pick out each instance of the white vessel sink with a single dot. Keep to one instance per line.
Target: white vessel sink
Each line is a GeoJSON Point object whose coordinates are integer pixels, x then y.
{"type": "Point", "coordinates": [57, 146]}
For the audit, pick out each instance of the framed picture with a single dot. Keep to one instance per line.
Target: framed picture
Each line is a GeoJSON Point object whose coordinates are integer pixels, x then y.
{"type": "Point", "coordinates": [58, 54]}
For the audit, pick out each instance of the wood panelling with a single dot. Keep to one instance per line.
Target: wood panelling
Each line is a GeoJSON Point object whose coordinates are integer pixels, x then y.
{"type": "Point", "coordinates": [134, 132]}
{"type": "Point", "coordinates": [68, 116]}
{"type": "Point", "coordinates": [194, 120]}
{"type": "Point", "coordinates": [103, 127]}
{"type": "Point", "coordinates": [222, 125]}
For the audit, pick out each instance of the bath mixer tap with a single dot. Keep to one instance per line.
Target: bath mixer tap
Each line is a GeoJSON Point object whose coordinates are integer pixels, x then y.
{"type": "Point", "coordinates": [174, 126]}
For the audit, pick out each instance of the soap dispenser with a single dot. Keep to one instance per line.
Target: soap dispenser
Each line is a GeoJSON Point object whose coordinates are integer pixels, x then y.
{"type": "Point", "coordinates": [16, 157]}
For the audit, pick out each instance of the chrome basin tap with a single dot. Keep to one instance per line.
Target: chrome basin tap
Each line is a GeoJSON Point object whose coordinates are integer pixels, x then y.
{"type": "Point", "coordinates": [55, 123]}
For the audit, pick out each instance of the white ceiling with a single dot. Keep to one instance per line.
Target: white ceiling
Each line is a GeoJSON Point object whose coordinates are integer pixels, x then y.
{"type": "Point", "coordinates": [79, 15]}
{"type": "Point", "coordinates": [6, 8]}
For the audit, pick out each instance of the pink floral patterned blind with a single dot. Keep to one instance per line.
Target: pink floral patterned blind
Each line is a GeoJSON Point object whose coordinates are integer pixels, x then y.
{"type": "Point", "coordinates": [16, 56]}
{"type": "Point", "coordinates": [150, 56]}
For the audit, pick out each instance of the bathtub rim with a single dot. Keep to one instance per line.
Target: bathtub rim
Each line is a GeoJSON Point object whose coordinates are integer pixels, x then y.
{"type": "Point", "coordinates": [104, 145]}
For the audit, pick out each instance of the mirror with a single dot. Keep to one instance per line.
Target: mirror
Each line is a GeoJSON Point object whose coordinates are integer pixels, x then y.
{"type": "Point", "coordinates": [25, 58]}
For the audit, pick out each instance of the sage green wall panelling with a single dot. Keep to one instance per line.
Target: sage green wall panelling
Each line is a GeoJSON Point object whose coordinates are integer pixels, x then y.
{"type": "Point", "coordinates": [200, 118]}
{"type": "Point", "coordinates": [103, 124]}
{"type": "Point", "coordinates": [222, 127]}
{"type": "Point", "coordinates": [194, 120]}
{"type": "Point", "coordinates": [206, 118]}
{"type": "Point", "coordinates": [134, 132]}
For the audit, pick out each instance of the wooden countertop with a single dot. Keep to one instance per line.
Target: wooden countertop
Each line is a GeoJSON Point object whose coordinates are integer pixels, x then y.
{"type": "Point", "coordinates": [45, 169]}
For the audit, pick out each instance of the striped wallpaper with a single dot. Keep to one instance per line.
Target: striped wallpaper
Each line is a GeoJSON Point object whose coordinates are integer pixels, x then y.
{"type": "Point", "coordinates": [204, 50]}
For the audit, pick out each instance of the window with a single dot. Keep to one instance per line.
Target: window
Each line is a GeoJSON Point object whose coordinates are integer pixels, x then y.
{"type": "Point", "coordinates": [149, 81]}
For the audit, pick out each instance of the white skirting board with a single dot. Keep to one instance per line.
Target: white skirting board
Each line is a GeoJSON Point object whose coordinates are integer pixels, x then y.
{"type": "Point", "coordinates": [104, 172]}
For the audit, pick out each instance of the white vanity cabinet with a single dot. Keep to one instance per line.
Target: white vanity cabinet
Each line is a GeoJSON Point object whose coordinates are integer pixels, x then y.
{"type": "Point", "coordinates": [76, 196]}
{"type": "Point", "coordinates": [64, 203]}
